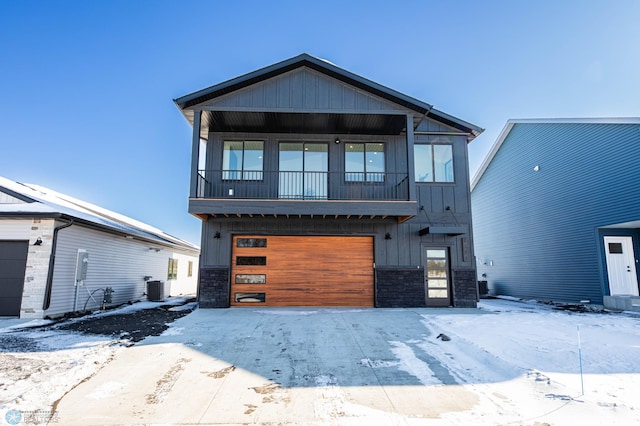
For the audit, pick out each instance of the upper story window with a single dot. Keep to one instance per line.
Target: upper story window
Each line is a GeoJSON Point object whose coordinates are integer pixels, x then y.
{"type": "Point", "coordinates": [364, 162]}
{"type": "Point", "coordinates": [433, 162]}
{"type": "Point", "coordinates": [242, 160]}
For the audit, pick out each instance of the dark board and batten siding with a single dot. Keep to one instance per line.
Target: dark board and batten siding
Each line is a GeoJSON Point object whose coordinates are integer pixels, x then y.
{"type": "Point", "coordinates": [539, 229]}
{"type": "Point", "coordinates": [303, 90]}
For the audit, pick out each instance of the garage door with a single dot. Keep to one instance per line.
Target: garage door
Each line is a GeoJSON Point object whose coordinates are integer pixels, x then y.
{"type": "Point", "coordinates": [13, 261]}
{"type": "Point", "coordinates": [302, 271]}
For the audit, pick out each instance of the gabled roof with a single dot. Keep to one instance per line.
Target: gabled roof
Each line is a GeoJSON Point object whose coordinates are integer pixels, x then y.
{"type": "Point", "coordinates": [305, 60]}
{"type": "Point", "coordinates": [510, 123]}
{"type": "Point", "coordinates": [37, 201]}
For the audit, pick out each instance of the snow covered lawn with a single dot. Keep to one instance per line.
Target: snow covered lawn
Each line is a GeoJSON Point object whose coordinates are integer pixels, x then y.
{"type": "Point", "coordinates": [526, 363]}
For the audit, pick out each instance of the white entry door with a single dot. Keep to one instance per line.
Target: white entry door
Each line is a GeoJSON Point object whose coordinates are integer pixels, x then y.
{"type": "Point", "coordinates": [621, 266]}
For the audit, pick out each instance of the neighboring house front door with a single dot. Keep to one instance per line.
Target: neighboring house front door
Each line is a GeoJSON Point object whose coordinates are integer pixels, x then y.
{"type": "Point", "coordinates": [621, 266]}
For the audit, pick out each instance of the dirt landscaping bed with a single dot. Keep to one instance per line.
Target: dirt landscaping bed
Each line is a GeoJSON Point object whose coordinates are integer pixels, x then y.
{"type": "Point", "coordinates": [131, 326]}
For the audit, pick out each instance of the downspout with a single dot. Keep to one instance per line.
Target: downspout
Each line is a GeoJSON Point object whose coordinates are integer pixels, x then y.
{"type": "Point", "coordinates": [52, 261]}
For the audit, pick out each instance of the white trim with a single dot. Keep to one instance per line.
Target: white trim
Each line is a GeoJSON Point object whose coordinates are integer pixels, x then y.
{"type": "Point", "coordinates": [494, 149]}
{"type": "Point", "coordinates": [510, 123]}
{"type": "Point", "coordinates": [580, 120]}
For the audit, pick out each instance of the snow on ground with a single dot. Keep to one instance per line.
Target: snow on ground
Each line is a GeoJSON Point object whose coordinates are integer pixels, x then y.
{"type": "Point", "coordinates": [39, 366]}
{"type": "Point", "coordinates": [34, 377]}
{"type": "Point", "coordinates": [527, 362]}
{"type": "Point", "coordinates": [533, 356]}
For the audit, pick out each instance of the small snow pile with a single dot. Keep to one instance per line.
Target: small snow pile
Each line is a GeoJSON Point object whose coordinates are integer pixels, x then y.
{"type": "Point", "coordinates": [173, 331]}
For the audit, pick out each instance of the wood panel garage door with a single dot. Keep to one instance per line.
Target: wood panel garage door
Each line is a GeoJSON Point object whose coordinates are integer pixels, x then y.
{"type": "Point", "coordinates": [13, 261]}
{"type": "Point", "coordinates": [302, 271]}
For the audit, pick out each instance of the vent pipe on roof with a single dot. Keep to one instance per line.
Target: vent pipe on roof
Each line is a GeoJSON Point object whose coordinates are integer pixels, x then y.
{"type": "Point", "coordinates": [52, 261]}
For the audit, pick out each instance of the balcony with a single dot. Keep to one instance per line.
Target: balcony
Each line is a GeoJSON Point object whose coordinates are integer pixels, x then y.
{"type": "Point", "coordinates": [260, 185]}
{"type": "Point", "coordinates": [302, 193]}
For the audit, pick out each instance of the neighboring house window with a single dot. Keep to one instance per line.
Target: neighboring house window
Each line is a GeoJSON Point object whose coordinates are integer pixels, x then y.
{"type": "Point", "coordinates": [190, 269]}
{"type": "Point", "coordinates": [364, 162]}
{"type": "Point", "coordinates": [173, 269]}
{"type": "Point", "coordinates": [242, 160]}
{"type": "Point", "coordinates": [433, 163]}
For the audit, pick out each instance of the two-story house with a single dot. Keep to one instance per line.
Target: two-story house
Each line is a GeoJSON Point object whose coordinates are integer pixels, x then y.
{"type": "Point", "coordinates": [318, 187]}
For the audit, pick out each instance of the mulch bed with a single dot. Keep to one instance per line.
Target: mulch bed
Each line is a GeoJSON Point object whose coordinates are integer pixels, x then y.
{"type": "Point", "coordinates": [132, 326]}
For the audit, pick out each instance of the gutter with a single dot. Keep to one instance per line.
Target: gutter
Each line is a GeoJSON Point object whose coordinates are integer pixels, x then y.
{"type": "Point", "coordinates": [52, 261]}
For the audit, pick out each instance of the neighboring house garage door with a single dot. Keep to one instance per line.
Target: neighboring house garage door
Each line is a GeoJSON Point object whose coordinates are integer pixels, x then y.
{"type": "Point", "coordinates": [302, 271]}
{"type": "Point", "coordinates": [13, 261]}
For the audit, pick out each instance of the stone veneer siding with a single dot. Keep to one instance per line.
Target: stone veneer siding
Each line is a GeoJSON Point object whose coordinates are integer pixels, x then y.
{"type": "Point", "coordinates": [400, 288]}
{"type": "Point", "coordinates": [465, 288]}
{"type": "Point", "coordinates": [213, 291]}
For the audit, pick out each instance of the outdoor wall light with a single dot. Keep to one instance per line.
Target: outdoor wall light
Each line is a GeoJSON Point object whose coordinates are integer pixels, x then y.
{"type": "Point", "coordinates": [38, 242]}
{"type": "Point", "coordinates": [217, 236]}
{"type": "Point", "coordinates": [337, 140]}
{"type": "Point", "coordinates": [387, 236]}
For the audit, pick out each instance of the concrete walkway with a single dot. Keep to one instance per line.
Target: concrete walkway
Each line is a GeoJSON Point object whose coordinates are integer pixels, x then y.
{"type": "Point", "coordinates": [300, 366]}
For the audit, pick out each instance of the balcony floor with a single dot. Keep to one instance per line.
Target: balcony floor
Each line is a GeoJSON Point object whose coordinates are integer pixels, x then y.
{"type": "Point", "coordinates": [324, 209]}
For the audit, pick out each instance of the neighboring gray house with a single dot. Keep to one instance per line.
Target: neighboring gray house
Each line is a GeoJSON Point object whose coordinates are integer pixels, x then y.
{"type": "Point", "coordinates": [58, 255]}
{"type": "Point", "coordinates": [318, 187]}
{"type": "Point", "coordinates": [556, 211]}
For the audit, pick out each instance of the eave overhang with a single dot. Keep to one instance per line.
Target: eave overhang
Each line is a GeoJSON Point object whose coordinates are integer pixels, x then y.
{"type": "Point", "coordinates": [188, 104]}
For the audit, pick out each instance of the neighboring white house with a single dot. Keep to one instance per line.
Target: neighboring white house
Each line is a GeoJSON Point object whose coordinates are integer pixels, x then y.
{"type": "Point", "coordinates": [59, 254]}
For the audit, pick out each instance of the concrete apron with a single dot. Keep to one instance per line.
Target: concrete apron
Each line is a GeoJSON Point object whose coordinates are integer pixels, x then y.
{"type": "Point", "coordinates": [239, 366]}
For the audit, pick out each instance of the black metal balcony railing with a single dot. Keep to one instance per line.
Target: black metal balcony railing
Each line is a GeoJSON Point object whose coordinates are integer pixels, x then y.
{"type": "Point", "coordinates": [277, 185]}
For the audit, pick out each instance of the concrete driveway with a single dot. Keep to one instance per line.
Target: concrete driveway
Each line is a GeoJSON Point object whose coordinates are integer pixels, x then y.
{"type": "Point", "coordinates": [275, 365]}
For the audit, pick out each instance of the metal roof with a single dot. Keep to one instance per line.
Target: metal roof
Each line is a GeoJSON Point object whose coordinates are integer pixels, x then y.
{"type": "Point", "coordinates": [38, 201]}
{"type": "Point", "coordinates": [187, 102]}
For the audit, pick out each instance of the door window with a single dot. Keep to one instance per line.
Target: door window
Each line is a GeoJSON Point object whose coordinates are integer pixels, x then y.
{"type": "Point", "coordinates": [437, 276]}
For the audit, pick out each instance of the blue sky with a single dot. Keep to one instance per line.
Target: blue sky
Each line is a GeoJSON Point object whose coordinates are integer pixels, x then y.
{"type": "Point", "coordinates": [86, 87]}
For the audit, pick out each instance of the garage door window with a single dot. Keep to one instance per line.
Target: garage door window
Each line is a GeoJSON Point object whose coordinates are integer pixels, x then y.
{"type": "Point", "coordinates": [251, 278]}
{"type": "Point", "coordinates": [251, 242]}
{"type": "Point", "coordinates": [249, 297]}
{"type": "Point", "coordinates": [251, 260]}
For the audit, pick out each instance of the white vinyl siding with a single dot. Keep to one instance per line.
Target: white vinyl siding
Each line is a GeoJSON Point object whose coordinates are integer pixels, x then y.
{"type": "Point", "coordinates": [114, 261]}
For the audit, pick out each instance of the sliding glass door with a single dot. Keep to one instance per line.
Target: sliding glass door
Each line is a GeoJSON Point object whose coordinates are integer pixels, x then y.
{"type": "Point", "coordinates": [303, 170]}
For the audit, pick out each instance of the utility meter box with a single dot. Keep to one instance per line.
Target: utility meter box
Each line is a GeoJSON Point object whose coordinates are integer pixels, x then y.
{"type": "Point", "coordinates": [82, 264]}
